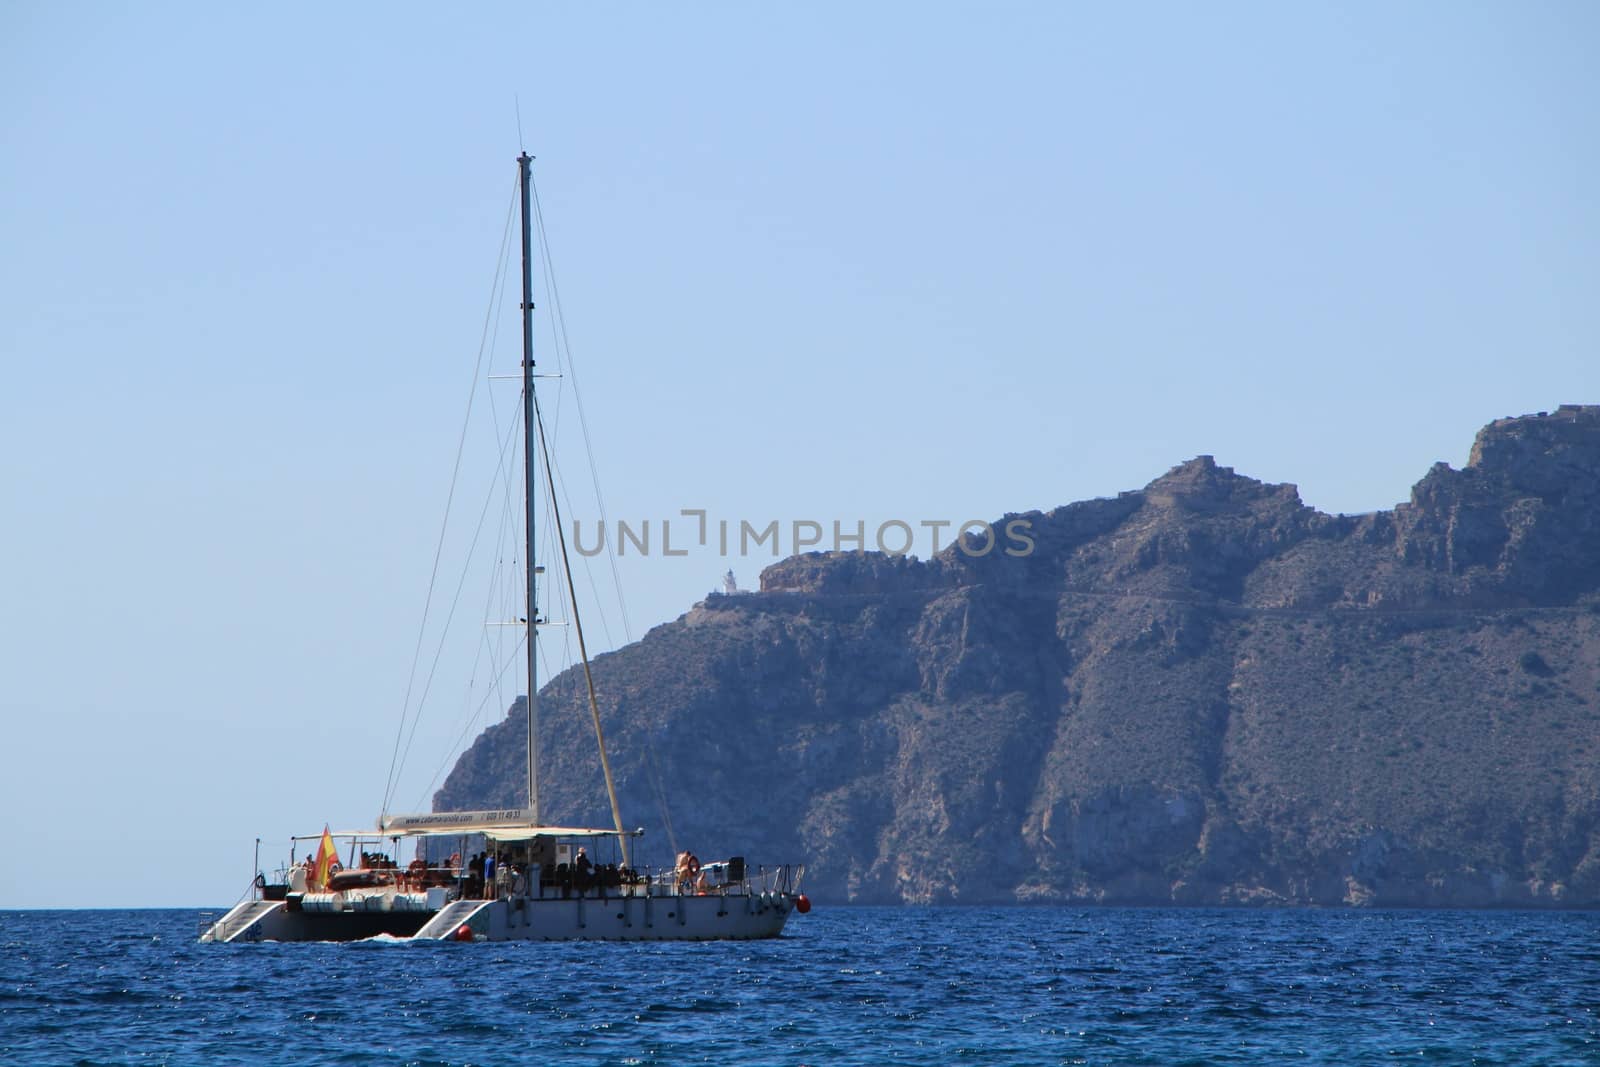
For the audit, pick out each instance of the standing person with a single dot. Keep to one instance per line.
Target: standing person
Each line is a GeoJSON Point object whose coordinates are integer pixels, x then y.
{"type": "Point", "coordinates": [505, 877]}
{"type": "Point", "coordinates": [582, 868]}
{"type": "Point", "coordinates": [488, 876]}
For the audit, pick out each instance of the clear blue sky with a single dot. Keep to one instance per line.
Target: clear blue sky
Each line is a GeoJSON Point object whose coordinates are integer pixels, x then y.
{"type": "Point", "coordinates": [826, 261]}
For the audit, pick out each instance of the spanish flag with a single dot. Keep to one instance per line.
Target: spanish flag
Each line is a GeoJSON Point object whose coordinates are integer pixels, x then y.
{"type": "Point", "coordinates": [327, 856]}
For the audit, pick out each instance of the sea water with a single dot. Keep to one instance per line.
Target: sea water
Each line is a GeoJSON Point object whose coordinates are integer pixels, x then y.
{"type": "Point", "coordinates": [842, 986]}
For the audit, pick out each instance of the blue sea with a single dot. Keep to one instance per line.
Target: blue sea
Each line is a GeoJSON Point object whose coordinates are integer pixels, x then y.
{"type": "Point", "coordinates": [843, 986]}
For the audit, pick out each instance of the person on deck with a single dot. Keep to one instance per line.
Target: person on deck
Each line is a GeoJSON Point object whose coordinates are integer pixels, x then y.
{"type": "Point", "coordinates": [502, 881]}
{"type": "Point", "coordinates": [688, 871]}
{"type": "Point", "coordinates": [582, 868]}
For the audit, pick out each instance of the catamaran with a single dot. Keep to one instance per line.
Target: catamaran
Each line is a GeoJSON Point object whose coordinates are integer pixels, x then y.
{"type": "Point", "coordinates": [529, 880]}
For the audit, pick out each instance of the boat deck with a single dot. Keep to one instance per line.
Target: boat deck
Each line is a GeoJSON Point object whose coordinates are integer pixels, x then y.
{"type": "Point", "coordinates": [645, 910]}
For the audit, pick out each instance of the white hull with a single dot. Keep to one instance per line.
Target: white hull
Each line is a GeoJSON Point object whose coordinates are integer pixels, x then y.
{"type": "Point", "coordinates": [618, 918]}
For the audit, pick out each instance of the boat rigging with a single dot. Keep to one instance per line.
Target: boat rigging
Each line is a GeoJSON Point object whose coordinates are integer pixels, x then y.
{"type": "Point", "coordinates": [532, 880]}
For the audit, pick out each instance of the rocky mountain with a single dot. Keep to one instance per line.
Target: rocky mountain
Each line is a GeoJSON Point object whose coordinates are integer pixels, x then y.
{"type": "Point", "coordinates": [1200, 692]}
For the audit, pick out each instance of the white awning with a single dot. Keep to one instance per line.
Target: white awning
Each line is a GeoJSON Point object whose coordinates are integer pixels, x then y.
{"type": "Point", "coordinates": [453, 822]}
{"type": "Point", "coordinates": [512, 824]}
{"type": "Point", "coordinates": [524, 833]}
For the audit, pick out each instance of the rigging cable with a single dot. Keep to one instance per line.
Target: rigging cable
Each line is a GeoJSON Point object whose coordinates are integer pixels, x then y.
{"type": "Point", "coordinates": [444, 632]}
{"type": "Point", "coordinates": [559, 322]}
{"type": "Point", "coordinates": [455, 473]}
{"type": "Point", "coordinates": [577, 622]}
{"type": "Point", "coordinates": [507, 522]}
{"type": "Point", "coordinates": [559, 325]}
{"type": "Point", "coordinates": [563, 356]}
{"type": "Point", "coordinates": [511, 661]}
{"type": "Point", "coordinates": [499, 662]}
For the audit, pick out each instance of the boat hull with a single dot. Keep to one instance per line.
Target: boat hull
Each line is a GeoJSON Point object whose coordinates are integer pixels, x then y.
{"type": "Point", "coordinates": [684, 918]}
{"type": "Point", "coordinates": [732, 917]}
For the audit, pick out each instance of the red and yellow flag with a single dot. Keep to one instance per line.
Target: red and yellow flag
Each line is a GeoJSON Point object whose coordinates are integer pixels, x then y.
{"type": "Point", "coordinates": [327, 856]}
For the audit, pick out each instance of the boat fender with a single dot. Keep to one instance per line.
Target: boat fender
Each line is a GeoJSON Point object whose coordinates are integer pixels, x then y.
{"type": "Point", "coordinates": [463, 932]}
{"type": "Point", "coordinates": [802, 903]}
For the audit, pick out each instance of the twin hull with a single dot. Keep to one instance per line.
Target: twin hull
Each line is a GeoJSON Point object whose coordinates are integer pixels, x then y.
{"type": "Point", "coordinates": [624, 918]}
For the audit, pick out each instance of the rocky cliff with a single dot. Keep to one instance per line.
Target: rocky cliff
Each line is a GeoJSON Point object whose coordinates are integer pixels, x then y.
{"type": "Point", "coordinates": [1200, 692]}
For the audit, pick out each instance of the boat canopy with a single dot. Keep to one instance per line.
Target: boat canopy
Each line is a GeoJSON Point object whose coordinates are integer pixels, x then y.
{"type": "Point", "coordinates": [512, 824]}
{"type": "Point", "coordinates": [525, 833]}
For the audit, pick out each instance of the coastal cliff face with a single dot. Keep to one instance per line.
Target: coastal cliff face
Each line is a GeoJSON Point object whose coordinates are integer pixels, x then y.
{"type": "Point", "coordinates": [1201, 692]}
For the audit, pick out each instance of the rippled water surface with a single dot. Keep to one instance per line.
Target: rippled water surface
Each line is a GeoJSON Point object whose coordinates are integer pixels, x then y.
{"type": "Point", "coordinates": [845, 985]}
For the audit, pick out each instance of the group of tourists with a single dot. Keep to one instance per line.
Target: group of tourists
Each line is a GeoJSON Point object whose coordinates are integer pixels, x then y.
{"type": "Point", "coordinates": [491, 877]}
{"type": "Point", "coordinates": [499, 874]}
{"type": "Point", "coordinates": [583, 876]}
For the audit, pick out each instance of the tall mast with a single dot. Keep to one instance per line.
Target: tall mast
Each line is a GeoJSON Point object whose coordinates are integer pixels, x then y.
{"type": "Point", "coordinates": [528, 468]}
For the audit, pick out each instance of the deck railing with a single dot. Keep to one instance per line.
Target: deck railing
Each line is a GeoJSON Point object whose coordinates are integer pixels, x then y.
{"type": "Point", "coordinates": [712, 880]}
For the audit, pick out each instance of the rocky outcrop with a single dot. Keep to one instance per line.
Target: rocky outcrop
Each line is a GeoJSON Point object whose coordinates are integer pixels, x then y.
{"type": "Point", "coordinates": [1203, 691]}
